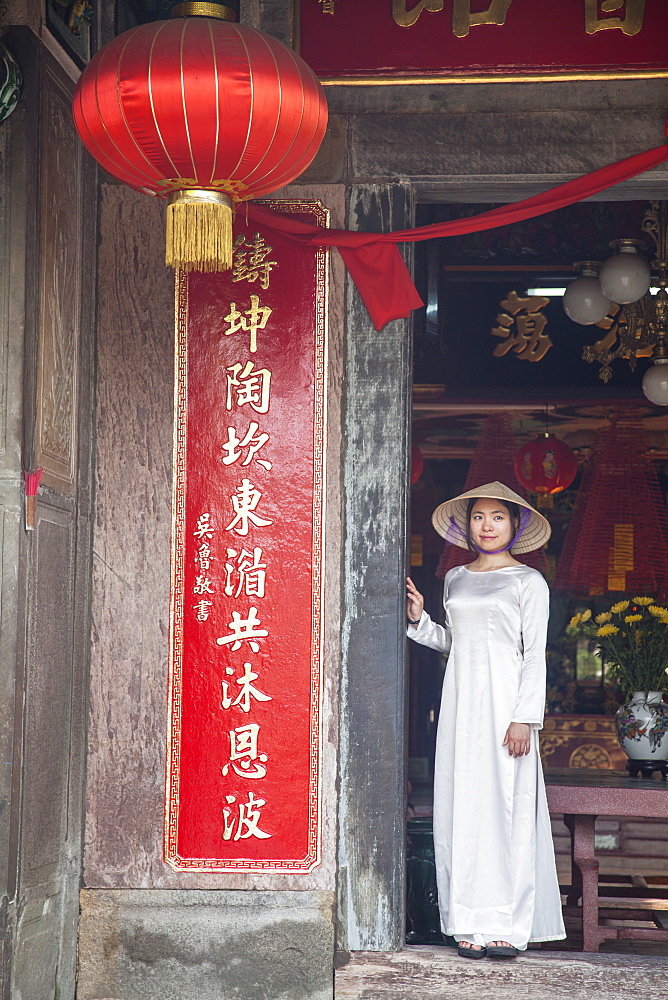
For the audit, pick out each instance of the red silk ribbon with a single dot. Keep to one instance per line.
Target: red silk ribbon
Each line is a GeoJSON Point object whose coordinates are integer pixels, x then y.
{"type": "Point", "coordinates": [377, 266]}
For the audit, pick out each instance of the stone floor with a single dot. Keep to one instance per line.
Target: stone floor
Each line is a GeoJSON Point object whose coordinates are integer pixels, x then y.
{"type": "Point", "coordinates": [428, 973]}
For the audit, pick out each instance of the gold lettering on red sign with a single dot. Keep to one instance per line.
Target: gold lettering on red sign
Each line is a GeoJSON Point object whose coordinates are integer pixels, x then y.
{"type": "Point", "coordinates": [244, 503]}
{"type": "Point", "coordinates": [249, 259]}
{"type": "Point", "coordinates": [244, 572]}
{"type": "Point", "coordinates": [248, 386]}
{"type": "Point", "coordinates": [244, 630]}
{"type": "Point", "coordinates": [406, 18]}
{"type": "Point", "coordinates": [243, 698]}
{"type": "Point", "coordinates": [245, 760]}
{"type": "Point", "coordinates": [244, 824]}
{"type": "Point", "coordinates": [202, 610]}
{"type": "Point", "coordinates": [253, 319]}
{"type": "Point", "coordinates": [463, 18]}
{"type": "Point", "coordinates": [252, 440]}
{"type": "Point", "coordinates": [630, 21]}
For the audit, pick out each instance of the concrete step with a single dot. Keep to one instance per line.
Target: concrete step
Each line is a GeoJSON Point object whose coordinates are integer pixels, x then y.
{"type": "Point", "coordinates": [426, 973]}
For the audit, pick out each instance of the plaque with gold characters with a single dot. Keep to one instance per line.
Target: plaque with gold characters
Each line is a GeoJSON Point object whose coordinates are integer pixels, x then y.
{"type": "Point", "coordinates": [243, 767]}
{"type": "Point", "coordinates": [464, 41]}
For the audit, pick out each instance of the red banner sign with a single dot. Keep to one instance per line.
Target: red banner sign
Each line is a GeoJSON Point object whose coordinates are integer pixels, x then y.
{"type": "Point", "coordinates": [456, 41]}
{"type": "Point", "coordinates": [245, 669]}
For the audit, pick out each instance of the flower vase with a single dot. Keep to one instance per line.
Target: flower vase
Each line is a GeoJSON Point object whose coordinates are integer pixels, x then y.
{"type": "Point", "coordinates": [642, 731]}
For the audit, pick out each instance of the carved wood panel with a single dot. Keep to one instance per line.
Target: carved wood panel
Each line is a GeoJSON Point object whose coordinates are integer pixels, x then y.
{"type": "Point", "coordinates": [60, 268]}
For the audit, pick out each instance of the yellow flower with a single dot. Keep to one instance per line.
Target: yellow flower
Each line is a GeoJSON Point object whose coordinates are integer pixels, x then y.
{"type": "Point", "coordinates": [643, 601]}
{"type": "Point", "coordinates": [657, 611]}
{"type": "Point", "coordinates": [633, 618]}
{"type": "Point", "coordinates": [575, 621]}
{"type": "Point", "coordinates": [607, 630]}
{"type": "Point", "coordinates": [619, 607]}
{"type": "Point", "coordinates": [604, 616]}
{"type": "Point", "coordinates": [586, 615]}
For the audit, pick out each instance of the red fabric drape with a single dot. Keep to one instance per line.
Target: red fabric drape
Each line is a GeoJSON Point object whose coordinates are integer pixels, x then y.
{"type": "Point", "coordinates": [376, 265]}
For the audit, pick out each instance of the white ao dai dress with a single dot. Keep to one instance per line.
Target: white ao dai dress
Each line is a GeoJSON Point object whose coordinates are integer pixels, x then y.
{"type": "Point", "coordinates": [494, 853]}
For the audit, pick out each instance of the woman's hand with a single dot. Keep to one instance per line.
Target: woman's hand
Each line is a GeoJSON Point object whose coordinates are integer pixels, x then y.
{"type": "Point", "coordinates": [518, 739]}
{"type": "Point", "coordinates": [414, 601]}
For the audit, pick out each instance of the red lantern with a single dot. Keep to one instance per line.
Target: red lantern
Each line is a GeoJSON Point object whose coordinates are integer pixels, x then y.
{"type": "Point", "coordinates": [417, 464]}
{"type": "Point", "coordinates": [204, 112]}
{"type": "Point", "coordinates": [545, 465]}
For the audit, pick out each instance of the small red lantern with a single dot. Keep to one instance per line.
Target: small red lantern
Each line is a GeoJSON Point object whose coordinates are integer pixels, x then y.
{"type": "Point", "coordinates": [545, 465]}
{"type": "Point", "coordinates": [417, 464]}
{"type": "Point", "coordinates": [204, 112]}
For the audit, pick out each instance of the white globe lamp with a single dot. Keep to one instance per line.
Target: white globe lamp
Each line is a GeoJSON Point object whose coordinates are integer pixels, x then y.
{"type": "Point", "coordinates": [655, 382]}
{"type": "Point", "coordinates": [626, 276]}
{"type": "Point", "coordinates": [583, 300]}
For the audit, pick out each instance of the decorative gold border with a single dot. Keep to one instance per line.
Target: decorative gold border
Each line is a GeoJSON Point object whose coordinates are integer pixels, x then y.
{"type": "Point", "coordinates": [313, 856]}
{"type": "Point", "coordinates": [389, 81]}
{"type": "Point", "coordinates": [174, 676]}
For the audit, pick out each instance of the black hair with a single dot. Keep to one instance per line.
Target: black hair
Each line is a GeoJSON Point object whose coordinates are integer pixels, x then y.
{"type": "Point", "coordinates": [512, 508]}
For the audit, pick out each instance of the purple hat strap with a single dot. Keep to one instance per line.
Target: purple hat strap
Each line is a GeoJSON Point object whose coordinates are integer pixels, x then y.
{"type": "Point", "coordinates": [454, 534]}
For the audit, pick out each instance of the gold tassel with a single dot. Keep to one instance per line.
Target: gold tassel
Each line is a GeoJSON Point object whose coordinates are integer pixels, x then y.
{"type": "Point", "coordinates": [199, 231]}
{"type": "Point", "coordinates": [545, 501]}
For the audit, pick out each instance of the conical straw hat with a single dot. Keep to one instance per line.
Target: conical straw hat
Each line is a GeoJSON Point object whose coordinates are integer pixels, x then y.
{"type": "Point", "coordinates": [535, 534]}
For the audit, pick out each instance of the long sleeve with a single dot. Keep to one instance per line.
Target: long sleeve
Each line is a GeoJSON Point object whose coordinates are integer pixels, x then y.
{"type": "Point", "coordinates": [430, 633]}
{"type": "Point", "coordinates": [534, 613]}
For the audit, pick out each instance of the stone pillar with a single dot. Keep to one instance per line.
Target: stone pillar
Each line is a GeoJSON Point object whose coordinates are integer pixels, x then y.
{"type": "Point", "coordinates": [377, 379]}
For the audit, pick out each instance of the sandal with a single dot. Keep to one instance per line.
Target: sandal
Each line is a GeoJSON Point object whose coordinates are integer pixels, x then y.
{"type": "Point", "coordinates": [503, 950]}
{"type": "Point", "coordinates": [471, 951]}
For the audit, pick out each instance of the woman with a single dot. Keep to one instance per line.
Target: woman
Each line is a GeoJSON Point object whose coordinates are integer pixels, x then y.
{"type": "Point", "coordinates": [497, 881]}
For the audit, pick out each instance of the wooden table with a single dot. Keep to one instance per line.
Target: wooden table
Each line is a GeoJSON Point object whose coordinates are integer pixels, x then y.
{"type": "Point", "coordinates": [582, 795]}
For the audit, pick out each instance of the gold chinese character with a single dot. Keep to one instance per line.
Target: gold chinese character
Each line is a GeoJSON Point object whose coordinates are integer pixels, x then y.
{"type": "Point", "coordinates": [257, 320]}
{"type": "Point", "coordinates": [203, 556]}
{"type": "Point", "coordinates": [251, 264]}
{"type": "Point", "coordinates": [463, 18]}
{"type": "Point", "coordinates": [245, 760]}
{"type": "Point", "coordinates": [245, 682]}
{"type": "Point", "coordinates": [328, 6]}
{"type": "Point", "coordinates": [243, 630]}
{"type": "Point", "coordinates": [246, 823]}
{"type": "Point", "coordinates": [251, 440]}
{"type": "Point", "coordinates": [527, 339]}
{"type": "Point", "coordinates": [248, 573]}
{"type": "Point", "coordinates": [203, 585]}
{"type": "Point", "coordinates": [406, 18]}
{"type": "Point", "coordinates": [249, 386]}
{"type": "Point", "coordinates": [202, 610]}
{"type": "Point", "coordinates": [204, 528]}
{"type": "Point", "coordinates": [244, 504]}
{"type": "Point", "coordinates": [631, 20]}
